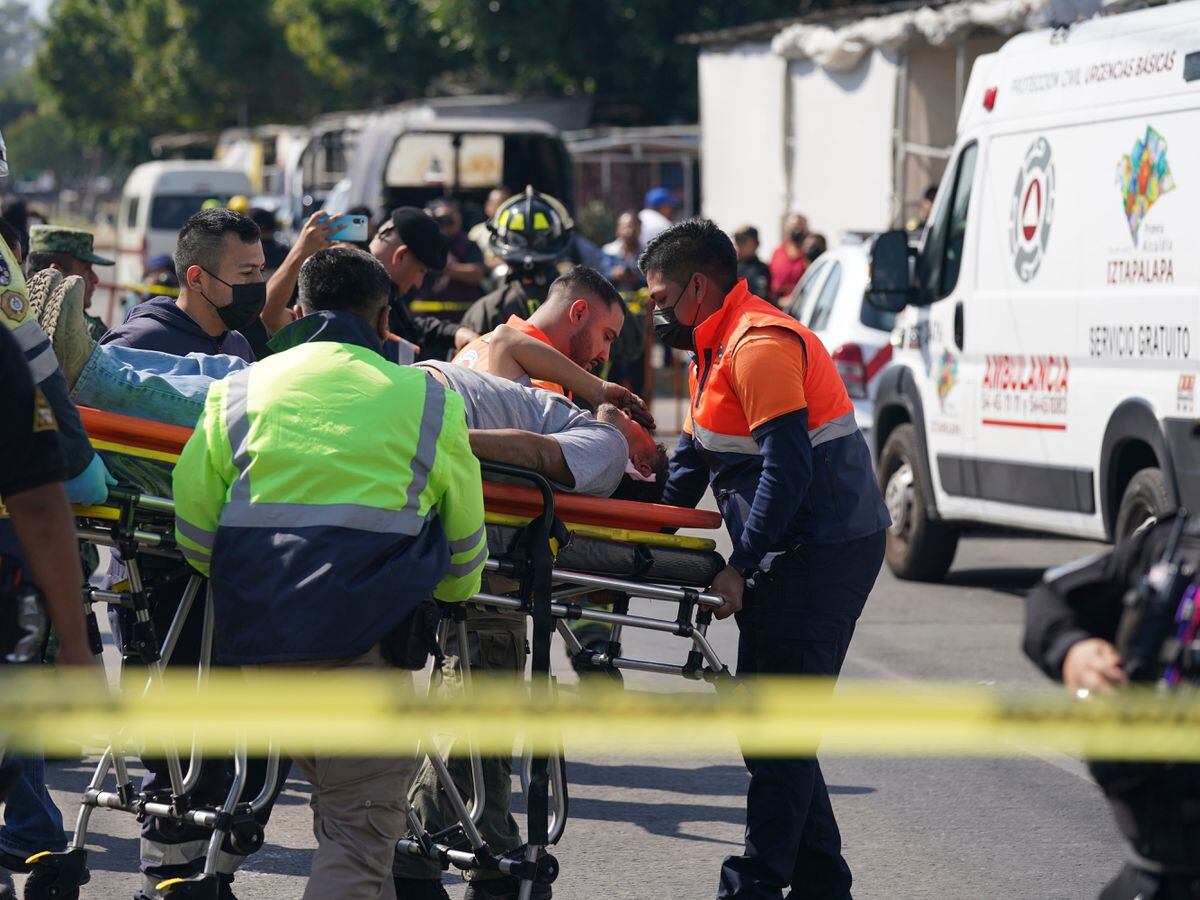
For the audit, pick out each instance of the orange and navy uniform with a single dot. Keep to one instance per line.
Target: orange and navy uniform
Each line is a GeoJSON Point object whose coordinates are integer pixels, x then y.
{"type": "Point", "coordinates": [475, 354]}
{"type": "Point", "coordinates": [772, 430]}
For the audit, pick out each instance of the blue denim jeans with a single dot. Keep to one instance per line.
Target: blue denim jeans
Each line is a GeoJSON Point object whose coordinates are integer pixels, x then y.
{"type": "Point", "coordinates": [151, 385]}
{"type": "Point", "coordinates": [32, 822]}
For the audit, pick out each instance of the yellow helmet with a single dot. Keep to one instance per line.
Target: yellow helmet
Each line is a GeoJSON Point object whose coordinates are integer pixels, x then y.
{"type": "Point", "coordinates": [530, 228]}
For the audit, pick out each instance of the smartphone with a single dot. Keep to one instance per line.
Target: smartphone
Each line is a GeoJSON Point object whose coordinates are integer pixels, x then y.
{"type": "Point", "coordinates": [352, 228]}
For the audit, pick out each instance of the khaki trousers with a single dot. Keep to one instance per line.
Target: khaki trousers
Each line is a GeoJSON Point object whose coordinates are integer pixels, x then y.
{"type": "Point", "coordinates": [358, 815]}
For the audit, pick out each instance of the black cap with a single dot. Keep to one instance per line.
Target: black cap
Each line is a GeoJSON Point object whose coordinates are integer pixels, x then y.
{"type": "Point", "coordinates": [417, 231]}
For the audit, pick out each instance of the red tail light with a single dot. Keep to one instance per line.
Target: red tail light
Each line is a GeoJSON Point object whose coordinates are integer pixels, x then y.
{"type": "Point", "coordinates": [989, 99]}
{"type": "Point", "coordinates": [849, 362]}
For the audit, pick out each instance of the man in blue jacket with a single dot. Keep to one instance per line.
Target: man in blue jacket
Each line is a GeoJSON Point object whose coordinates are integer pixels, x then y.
{"type": "Point", "coordinates": [219, 260]}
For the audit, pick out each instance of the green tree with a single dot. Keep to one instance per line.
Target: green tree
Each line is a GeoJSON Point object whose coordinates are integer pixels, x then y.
{"type": "Point", "coordinates": [120, 71]}
{"type": "Point", "coordinates": [85, 66]}
{"type": "Point", "coordinates": [365, 52]}
{"type": "Point", "coordinates": [622, 53]}
{"type": "Point", "coordinates": [39, 142]}
{"type": "Point", "coordinates": [18, 37]}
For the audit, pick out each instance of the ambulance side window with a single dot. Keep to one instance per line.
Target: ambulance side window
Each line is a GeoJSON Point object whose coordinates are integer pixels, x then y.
{"type": "Point", "coordinates": [941, 257]}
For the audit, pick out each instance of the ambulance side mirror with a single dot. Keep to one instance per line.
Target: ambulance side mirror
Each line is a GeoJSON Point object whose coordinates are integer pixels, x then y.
{"type": "Point", "coordinates": [891, 273]}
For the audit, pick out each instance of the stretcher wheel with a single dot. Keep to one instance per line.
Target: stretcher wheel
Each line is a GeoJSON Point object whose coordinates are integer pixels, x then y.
{"type": "Point", "coordinates": [44, 884]}
{"type": "Point", "coordinates": [57, 876]}
{"type": "Point", "coordinates": [246, 838]}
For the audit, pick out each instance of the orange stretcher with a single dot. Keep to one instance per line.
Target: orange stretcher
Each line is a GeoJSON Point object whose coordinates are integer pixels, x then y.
{"type": "Point", "coordinates": [138, 450]}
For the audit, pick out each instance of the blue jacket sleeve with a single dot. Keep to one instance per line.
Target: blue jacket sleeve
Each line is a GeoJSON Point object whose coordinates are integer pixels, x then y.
{"type": "Point", "coordinates": [73, 441]}
{"type": "Point", "coordinates": [786, 475]}
{"type": "Point", "coordinates": [688, 476]}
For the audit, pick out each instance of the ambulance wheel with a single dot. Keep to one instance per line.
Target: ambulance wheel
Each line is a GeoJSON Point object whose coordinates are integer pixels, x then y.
{"type": "Point", "coordinates": [1146, 498]}
{"type": "Point", "coordinates": [918, 548]}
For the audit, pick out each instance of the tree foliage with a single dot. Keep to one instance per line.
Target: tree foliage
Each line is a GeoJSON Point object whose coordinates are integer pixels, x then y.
{"type": "Point", "coordinates": [118, 71]}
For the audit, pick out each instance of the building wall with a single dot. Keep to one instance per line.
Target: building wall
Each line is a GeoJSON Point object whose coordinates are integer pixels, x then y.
{"type": "Point", "coordinates": [933, 110]}
{"type": "Point", "coordinates": [742, 125]}
{"type": "Point", "coordinates": [842, 148]}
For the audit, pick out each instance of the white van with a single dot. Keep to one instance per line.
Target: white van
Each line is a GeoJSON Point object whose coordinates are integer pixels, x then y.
{"type": "Point", "coordinates": [156, 200]}
{"type": "Point", "coordinates": [1044, 371]}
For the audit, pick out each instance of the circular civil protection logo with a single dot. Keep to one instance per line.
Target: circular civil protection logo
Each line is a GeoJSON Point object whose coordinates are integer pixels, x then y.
{"type": "Point", "coordinates": [1031, 212]}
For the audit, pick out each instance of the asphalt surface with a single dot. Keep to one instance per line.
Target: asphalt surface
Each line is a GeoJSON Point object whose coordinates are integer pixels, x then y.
{"type": "Point", "coordinates": [659, 826]}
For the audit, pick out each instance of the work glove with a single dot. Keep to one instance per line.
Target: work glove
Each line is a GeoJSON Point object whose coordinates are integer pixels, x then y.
{"type": "Point", "coordinates": [90, 487]}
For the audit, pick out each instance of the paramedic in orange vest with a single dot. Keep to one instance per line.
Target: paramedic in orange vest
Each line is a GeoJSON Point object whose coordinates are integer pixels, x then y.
{"type": "Point", "coordinates": [580, 318]}
{"type": "Point", "coordinates": [772, 431]}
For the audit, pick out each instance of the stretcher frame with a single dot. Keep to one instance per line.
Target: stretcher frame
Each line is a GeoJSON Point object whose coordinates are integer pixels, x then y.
{"type": "Point", "coordinates": [546, 597]}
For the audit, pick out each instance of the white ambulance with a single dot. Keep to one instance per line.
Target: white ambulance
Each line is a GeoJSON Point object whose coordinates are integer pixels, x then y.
{"type": "Point", "coordinates": [1045, 360]}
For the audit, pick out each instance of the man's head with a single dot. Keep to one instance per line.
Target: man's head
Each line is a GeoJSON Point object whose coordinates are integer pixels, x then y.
{"type": "Point", "coordinates": [265, 220]}
{"type": "Point", "coordinates": [495, 197]}
{"type": "Point", "coordinates": [409, 245]}
{"type": "Point", "coordinates": [349, 280]}
{"type": "Point", "coordinates": [629, 228]}
{"type": "Point", "coordinates": [813, 246]}
{"type": "Point", "coordinates": [660, 199]}
{"type": "Point", "coordinates": [70, 251]}
{"type": "Point", "coordinates": [582, 315]}
{"type": "Point", "coordinates": [218, 248]}
{"type": "Point", "coordinates": [447, 215]}
{"type": "Point", "coordinates": [745, 242]}
{"type": "Point", "coordinates": [795, 228]}
{"type": "Point", "coordinates": [689, 269]}
{"type": "Point", "coordinates": [927, 202]}
{"type": "Point", "coordinates": [647, 457]}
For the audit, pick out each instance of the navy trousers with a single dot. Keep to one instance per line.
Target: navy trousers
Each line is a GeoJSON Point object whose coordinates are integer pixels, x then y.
{"type": "Point", "coordinates": [797, 620]}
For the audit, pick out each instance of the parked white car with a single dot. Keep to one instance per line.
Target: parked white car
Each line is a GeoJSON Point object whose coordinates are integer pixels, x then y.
{"type": "Point", "coordinates": [830, 300]}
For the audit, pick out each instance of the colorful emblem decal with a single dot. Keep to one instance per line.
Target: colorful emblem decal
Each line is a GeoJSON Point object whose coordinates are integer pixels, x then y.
{"type": "Point", "coordinates": [1144, 176]}
{"type": "Point", "coordinates": [1031, 211]}
{"type": "Point", "coordinates": [946, 375]}
{"type": "Point", "coordinates": [12, 305]}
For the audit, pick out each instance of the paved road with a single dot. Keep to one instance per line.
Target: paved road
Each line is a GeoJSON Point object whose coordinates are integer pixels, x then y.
{"type": "Point", "coordinates": [658, 827]}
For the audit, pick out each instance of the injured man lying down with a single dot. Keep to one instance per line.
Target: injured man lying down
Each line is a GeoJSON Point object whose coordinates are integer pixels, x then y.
{"type": "Point", "coordinates": [608, 453]}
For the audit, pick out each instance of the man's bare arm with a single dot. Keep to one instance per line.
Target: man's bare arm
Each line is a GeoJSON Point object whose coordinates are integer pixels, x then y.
{"type": "Point", "coordinates": [513, 353]}
{"type": "Point", "coordinates": [514, 447]}
{"type": "Point", "coordinates": [45, 529]}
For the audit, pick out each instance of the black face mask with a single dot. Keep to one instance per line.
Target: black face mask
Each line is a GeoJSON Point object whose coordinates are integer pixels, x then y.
{"type": "Point", "coordinates": [248, 301]}
{"type": "Point", "coordinates": [672, 332]}
{"type": "Point", "coordinates": [798, 236]}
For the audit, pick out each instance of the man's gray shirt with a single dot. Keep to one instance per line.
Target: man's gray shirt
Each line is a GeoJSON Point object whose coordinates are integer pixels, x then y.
{"type": "Point", "coordinates": [595, 453]}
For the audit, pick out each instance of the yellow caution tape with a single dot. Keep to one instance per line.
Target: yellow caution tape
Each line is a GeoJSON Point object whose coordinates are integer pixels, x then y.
{"type": "Point", "coordinates": [624, 535]}
{"type": "Point", "coordinates": [342, 711]}
{"type": "Point", "coordinates": [426, 307]}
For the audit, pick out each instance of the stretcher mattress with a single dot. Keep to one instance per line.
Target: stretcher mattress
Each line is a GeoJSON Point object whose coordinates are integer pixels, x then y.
{"type": "Point", "coordinates": [619, 559]}
{"type": "Point", "coordinates": [141, 454]}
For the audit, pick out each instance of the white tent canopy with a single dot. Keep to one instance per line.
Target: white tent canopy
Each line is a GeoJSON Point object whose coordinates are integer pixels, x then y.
{"type": "Point", "coordinates": [842, 48]}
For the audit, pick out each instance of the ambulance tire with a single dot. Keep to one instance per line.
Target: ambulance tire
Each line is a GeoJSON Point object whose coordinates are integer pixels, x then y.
{"type": "Point", "coordinates": [1146, 497]}
{"type": "Point", "coordinates": [919, 548]}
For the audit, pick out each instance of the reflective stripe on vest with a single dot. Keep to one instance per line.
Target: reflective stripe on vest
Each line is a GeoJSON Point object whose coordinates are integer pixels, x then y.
{"type": "Point", "coordinates": [242, 512]}
{"type": "Point", "coordinates": [716, 419]}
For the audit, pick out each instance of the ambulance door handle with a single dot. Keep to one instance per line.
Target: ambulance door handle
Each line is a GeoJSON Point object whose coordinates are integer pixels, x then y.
{"type": "Point", "coordinates": [958, 325]}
